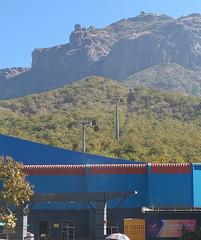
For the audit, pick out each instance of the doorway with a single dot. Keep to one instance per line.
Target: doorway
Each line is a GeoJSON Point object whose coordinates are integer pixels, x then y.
{"type": "Point", "coordinates": [44, 228]}
{"type": "Point", "coordinates": [67, 231]}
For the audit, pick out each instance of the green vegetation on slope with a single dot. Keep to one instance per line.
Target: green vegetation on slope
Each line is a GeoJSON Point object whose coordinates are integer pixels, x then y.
{"type": "Point", "coordinates": [155, 126]}
{"type": "Point", "coordinates": [172, 77]}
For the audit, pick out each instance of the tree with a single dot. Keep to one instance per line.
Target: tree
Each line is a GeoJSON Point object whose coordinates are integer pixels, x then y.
{"type": "Point", "coordinates": [14, 190]}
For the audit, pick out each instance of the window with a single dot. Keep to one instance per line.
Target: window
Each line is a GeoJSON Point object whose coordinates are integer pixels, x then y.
{"type": "Point", "coordinates": [112, 229]}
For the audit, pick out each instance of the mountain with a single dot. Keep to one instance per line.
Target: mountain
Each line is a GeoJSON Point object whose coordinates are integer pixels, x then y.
{"type": "Point", "coordinates": [154, 125]}
{"type": "Point", "coordinates": [116, 51]}
{"type": "Point", "coordinates": [172, 77]}
{"type": "Point", "coordinates": [8, 73]}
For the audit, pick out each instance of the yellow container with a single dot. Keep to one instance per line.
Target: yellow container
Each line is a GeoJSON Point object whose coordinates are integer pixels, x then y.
{"type": "Point", "coordinates": [134, 228]}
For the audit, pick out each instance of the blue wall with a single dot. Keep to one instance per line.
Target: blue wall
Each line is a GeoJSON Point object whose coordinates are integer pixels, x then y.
{"type": "Point", "coordinates": [170, 189]}
{"type": "Point", "coordinates": [197, 185]}
{"type": "Point", "coordinates": [120, 183]}
{"type": "Point", "coordinates": [93, 183]}
{"type": "Point", "coordinates": [154, 189]}
{"type": "Point", "coordinates": [58, 184]}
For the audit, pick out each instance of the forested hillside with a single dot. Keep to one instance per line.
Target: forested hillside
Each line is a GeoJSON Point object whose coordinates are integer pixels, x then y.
{"type": "Point", "coordinates": [155, 126]}
{"type": "Point", "coordinates": [171, 77]}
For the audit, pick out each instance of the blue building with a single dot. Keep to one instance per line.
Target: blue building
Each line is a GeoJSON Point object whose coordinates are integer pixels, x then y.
{"type": "Point", "coordinates": [84, 196]}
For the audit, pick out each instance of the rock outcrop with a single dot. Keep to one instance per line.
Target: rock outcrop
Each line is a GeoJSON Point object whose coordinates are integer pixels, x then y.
{"type": "Point", "coordinates": [8, 73]}
{"type": "Point", "coordinates": [116, 51]}
{"type": "Point", "coordinates": [88, 48]}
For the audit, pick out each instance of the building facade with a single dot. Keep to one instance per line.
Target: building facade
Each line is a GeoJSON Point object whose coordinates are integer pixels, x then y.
{"type": "Point", "coordinates": [83, 196]}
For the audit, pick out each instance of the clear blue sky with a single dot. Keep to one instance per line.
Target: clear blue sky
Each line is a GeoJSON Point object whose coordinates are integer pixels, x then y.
{"type": "Point", "coordinates": [29, 24]}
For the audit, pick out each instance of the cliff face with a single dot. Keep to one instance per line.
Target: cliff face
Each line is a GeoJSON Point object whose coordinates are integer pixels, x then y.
{"type": "Point", "coordinates": [116, 51]}
{"type": "Point", "coordinates": [91, 50]}
{"type": "Point", "coordinates": [177, 41]}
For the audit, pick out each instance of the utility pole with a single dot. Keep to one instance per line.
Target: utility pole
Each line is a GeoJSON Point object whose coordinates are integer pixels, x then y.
{"type": "Point", "coordinates": [83, 123]}
{"type": "Point", "coordinates": [83, 138]}
{"type": "Point", "coordinates": [128, 90]}
{"type": "Point", "coordinates": [117, 119]}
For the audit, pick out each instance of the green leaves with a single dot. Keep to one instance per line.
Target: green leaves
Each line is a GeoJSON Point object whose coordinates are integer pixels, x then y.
{"type": "Point", "coordinates": [154, 126]}
{"type": "Point", "coordinates": [15, 190]}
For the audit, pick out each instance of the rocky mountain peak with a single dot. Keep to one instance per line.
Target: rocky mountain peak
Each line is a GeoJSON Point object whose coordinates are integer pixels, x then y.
{"type": "Point", "coordinates": [78, 36]}
{"type": "Point", "coordinates": [190, 16]}
{"type": "Point", "coordinates": [116, 51]}
{"type": "Point", "coordinates": [143, 16]}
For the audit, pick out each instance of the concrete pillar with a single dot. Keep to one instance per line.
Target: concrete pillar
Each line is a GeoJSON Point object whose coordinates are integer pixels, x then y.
{"type": "Point", "coordinates": [101, 220]}
{"type": "Point", "coordinates": [21, 227]}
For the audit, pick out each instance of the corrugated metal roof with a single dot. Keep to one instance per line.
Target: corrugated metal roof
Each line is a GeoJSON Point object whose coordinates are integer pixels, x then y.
{"type": "Point", "coordinates": [171, 168]}
{"type": "Point", "coordinates": [108, 169]}
{"type": "Point", "coordinates": [118, 169]}
{"type": "Point", "coordinates": [54, 169]}
{"type": "Point", "coordinates": [32, 153]}
{"type": "Point", "coordinates": [85, 169]}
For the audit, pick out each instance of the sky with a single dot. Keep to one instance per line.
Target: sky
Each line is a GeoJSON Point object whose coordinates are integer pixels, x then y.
{"type": "Point", "coordinates": [29, 24]}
